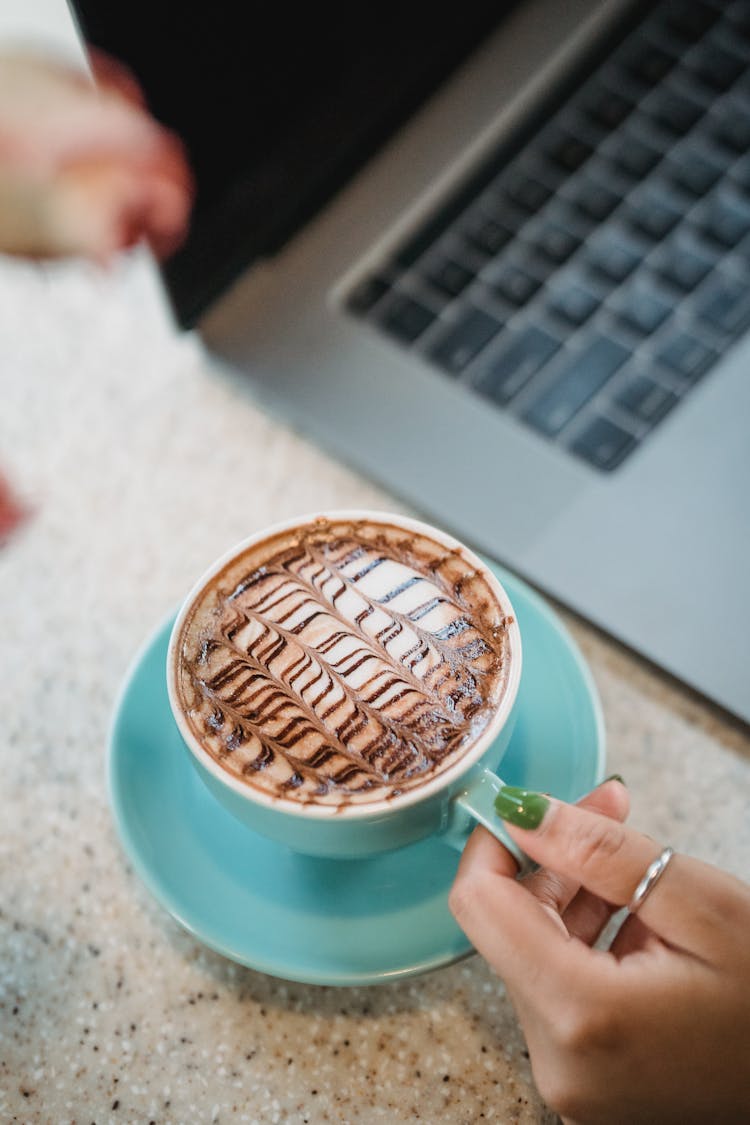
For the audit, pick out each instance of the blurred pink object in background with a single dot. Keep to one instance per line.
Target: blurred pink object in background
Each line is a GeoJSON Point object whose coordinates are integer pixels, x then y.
{"type": "Point", "coordinates": [11, 512]}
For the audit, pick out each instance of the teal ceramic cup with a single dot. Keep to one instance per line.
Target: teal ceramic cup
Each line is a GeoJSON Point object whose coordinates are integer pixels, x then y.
{"type": "Point", "coordinates": [448, 804]}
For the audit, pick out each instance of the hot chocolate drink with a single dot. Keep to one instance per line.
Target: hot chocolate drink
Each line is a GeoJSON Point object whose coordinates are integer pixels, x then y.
{"type": "Point", "coordinates": [342, 662]}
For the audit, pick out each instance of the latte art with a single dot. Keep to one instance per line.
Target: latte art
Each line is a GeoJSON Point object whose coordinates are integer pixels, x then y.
{"type": "Point", "coordinates": [342, 662]}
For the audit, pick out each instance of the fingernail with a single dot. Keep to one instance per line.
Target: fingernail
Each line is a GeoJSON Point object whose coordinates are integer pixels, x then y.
{"type": "Point", "coordinates": [521, 807]}
{"type": "Point", "coordinates": [615, 777]}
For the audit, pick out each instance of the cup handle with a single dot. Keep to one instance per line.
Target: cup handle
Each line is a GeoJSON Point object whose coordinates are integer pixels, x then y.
{"type": "Point", "coordinates": [476, 802]}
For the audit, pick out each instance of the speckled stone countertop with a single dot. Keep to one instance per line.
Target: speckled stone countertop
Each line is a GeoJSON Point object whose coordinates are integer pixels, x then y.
{"type": "Point", "coordinates": [121, 436]}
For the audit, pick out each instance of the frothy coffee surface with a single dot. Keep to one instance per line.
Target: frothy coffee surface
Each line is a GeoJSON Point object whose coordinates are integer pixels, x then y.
{"type": "Point", "coordinates": [342, 662]}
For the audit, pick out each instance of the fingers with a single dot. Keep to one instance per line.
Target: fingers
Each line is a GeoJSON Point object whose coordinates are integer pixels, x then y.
{"type": "Point", "coordinates": [52, 118]}
{"type": "Point", "coordinates": [609, 859]}
{"type": "Point", "coordinates": [83, 170]}
{"type": "Point", "coordinates": [587, 913]}
{"type": "Point", "coordinates": [51, 115]}
{"type": "Point", "coordinates": [610, 798]}
{"type": "Point", "coordinates": [603, 855]}
{"type": "Point", "coordinates": [101, 209]}
{"type": "Point", "coordinates": [113, 74]}
{"type": "Point", "coordinates": [584, 914]}
{"type": "Point", "coordinates": [483, 850]}
{"type": "Point", "coordinates": [11, 512]}
{"type": "Point", "coordinates": [507, 925]}
{"type": "Point", "coordinates": [144, 181]}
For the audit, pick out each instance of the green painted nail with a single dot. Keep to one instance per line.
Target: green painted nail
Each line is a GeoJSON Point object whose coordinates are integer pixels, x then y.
{"type": "Point", "coordinates": [521, 807]}
{"type": "Point", "coordinates": [614, 777]}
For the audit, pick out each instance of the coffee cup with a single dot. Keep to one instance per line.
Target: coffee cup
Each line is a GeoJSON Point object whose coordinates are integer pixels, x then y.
{"type": "Point", "coordinates": [258, 643]}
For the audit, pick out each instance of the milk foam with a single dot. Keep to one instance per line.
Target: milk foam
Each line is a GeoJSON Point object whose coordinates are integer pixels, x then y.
{"type": "Point", "coordinates": [343, 662]}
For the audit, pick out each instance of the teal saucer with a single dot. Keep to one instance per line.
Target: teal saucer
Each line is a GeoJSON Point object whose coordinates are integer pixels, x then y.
{"type": "Point", "coordinates": [332, 922]}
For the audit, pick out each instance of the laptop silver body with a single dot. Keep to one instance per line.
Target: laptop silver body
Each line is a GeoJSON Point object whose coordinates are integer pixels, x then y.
{"type": "Point", "coordinates": [657, 553]}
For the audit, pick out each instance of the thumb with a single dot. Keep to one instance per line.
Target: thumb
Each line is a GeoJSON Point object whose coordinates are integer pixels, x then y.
{"type": "Point", "coordinates": [508, 925]}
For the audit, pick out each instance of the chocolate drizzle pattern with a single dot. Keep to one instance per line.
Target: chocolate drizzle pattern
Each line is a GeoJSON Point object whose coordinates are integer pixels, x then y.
{"type": "Point", "coordinates": [342, 662]}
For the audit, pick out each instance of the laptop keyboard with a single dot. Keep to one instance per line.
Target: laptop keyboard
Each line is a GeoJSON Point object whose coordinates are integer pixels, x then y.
{"type": "Point", "coordinates": [585, 281]}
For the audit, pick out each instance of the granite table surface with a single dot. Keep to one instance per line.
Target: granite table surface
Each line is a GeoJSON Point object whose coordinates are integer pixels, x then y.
{"type": "Point", "coordinates": [140, 460]}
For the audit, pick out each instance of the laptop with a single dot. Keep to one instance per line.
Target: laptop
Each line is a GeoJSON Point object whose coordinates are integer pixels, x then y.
{"type": "Point", "coordinates": [496, 257]}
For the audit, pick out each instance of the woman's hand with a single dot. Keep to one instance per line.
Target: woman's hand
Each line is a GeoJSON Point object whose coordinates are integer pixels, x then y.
{"type": "Point", "coordinates": [657, 1028]}
{"type": "Point", "coordinates": [84, 169]}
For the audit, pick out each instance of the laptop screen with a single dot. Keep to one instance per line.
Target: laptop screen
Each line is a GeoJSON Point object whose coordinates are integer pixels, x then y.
{"type": "Point", "coordinates": [277, 112]}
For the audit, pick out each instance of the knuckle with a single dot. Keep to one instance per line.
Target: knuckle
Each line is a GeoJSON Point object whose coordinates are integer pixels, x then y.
{"type": "Point", "coordinates": [573, 1105]}
{"type": "Point", "coordinates": [583, 1046]}
{"type": "Point", "coordinates": [548, 888]}
{"type": "Point", "coordinates": [592, 1027]}
{"type": "Point", "coordinates": [596, 843]}
{"type": "Point", "coordinates": [728, 899]}
{"type": "Point", "coordinates": [732, 902]}
{"type": "Point", "coordinates": [557, 1084]}
{"type": "Point", "coordinates": [571, 1028]}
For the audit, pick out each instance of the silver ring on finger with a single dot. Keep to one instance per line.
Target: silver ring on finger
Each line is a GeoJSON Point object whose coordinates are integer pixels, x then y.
{"type": "Point", "coordinates": [651, 877]}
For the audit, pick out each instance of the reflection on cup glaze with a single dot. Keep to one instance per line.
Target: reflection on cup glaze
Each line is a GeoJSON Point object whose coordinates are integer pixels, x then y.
{"type": "Point", "coordinates": [341, 662]}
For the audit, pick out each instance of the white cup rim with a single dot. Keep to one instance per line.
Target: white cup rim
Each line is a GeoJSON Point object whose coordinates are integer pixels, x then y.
{"type": "Point", "coordinates": [365, 810]}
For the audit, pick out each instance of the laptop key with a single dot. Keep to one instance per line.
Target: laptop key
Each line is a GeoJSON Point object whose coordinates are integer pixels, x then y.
{"type": "Point", "coordinates": [595, 200]}
{"type": "Point", "coordinates": [514, 283]}
{"type": "Point", "coordinates": [648, 63]}
{"type": "Point", "coordinates": [694, 173]}
{"type": "Point", "coordinates": [508, 372]}
{"type": "Point", "coordinates": [575, 304]}
{"type": "Point", "coordinates": [642, 308]}
{"type": "Point", "coordinates": [406, 318]}
{"type": "Point", "coordinates": [684, 267]}
{"type": "Point", "coordinates": [686, 357]}
{"type": "Point", "coordinates": [555, 242]}
{"type": "Point", "coordinates": [449, 276]}
{"type": "Point", "coordinates": [604, 444]}
{"type": "Point", "coordinates": [732, 130]}
{"type": "Point", "coordinates": [613, 255]}
{"type": "Point", "coordinates": [675, 112]}
{"type": "Point", "coordinates": [634, 157]}
{"type": "Point", "coordinates": [726, 305]}
{"type": "Point", "coordinates": [526, 192]}
{"type": "Point", "coordinates": [464, 339]}
{"type": "Point", "coordinates": [726, 221]}
{"type": "Point", "coordinates": [655, 215]}
{"type": "Point", "coordinates": [568, 152]}
{"type": "Point", "coordinates": [366, 294]}
{"type": "Point", "coordinates": [740, 173]}
{"type": "Point", "coordinates": [607, 108]}
{"type": "Point", "coordinates": [487, 235]}
{"type": "Point", "coordinates": [715, 67]}
{"type": "Point", "coordinates": [575, 383]}
{"type": "Point", "coordinates": [646, 400]}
